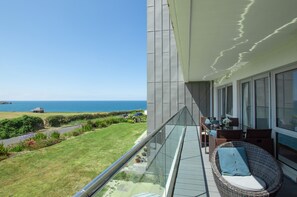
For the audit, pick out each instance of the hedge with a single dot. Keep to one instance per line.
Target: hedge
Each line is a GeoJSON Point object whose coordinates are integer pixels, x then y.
{"type": "Point", "coordinates": [58, 120]}
{"type": "Point", "coordinates": [20, 126]}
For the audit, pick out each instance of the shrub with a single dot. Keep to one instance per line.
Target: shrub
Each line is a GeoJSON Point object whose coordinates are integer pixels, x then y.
{"type": "Point", "coordinates": [17, 147]}
{"type": "Point", "coordinates": [55, 135]}
{"type": "Point", "coordinates": [30, 143]}
{"type": "Point", "coordinates": [76, 133]}
{"type": "Point", "coordinates": [19, 126]}
{"type": "Point", "coordinates": [39, 136]}
{"type": "Point", "coordinates": [101, 123]}
{"type": "Point", "coordinates": [88, 126]}
{"type": "Point", "coordinates": [3, 150]}
{"type": "Point", "coordinates": [50, 142]}
{"type": "Point", "coordinates": [130, 121]}
{"type": "Point", "coordinates": [55, 121]}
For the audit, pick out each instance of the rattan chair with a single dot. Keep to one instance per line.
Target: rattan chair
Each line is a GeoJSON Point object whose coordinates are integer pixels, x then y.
{"type": "Point", "coordinates": [261, 164]}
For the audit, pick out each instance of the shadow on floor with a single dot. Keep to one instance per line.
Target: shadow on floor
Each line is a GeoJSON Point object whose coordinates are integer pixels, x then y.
{"type": "Point", "coordinates": [289, 188]}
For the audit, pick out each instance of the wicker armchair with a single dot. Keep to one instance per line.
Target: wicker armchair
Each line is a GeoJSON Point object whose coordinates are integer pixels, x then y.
{"type": "Point", "coordinates": [261, 164]}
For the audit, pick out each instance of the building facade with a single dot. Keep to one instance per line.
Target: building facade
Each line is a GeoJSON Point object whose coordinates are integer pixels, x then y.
{"type": "Point", "coordinates": [167, 91]}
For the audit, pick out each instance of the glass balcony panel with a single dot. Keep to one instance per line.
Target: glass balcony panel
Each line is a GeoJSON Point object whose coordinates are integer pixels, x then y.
{"type": "Point", "coordinates": [149, 172]}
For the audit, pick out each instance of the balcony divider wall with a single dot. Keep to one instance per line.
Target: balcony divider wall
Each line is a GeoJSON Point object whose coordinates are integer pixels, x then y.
{"type": "Point", "coordinates": [167, 91]}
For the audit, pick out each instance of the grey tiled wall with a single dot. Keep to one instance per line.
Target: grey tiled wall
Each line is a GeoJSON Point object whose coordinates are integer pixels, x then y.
{"type": "Point", "coordinates": [166, 90]}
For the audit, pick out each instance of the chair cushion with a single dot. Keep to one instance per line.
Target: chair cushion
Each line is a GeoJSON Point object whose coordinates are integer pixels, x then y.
{"type": "Point", "coordinates": [207, 121]}
{"type": "Point", "coordinates": [213, 133]}
{"type": "Point", "coordinates": [250, 183]}
{"type": "Point", "coordinates": [233, 161]}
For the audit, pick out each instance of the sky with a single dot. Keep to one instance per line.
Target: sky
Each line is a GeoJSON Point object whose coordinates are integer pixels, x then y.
{"type": "Point", "coordinates": [72, 50]}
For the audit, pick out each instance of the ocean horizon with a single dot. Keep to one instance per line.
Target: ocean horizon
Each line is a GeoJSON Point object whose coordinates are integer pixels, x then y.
{"type": "Point", "coordinates": [73, 106]}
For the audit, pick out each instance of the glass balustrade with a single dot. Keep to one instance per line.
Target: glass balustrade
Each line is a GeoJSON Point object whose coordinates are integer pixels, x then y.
{"type": "Point", "coordinates": [149, 168]}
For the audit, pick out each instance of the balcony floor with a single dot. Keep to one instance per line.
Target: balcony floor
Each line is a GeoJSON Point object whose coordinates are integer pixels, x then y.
{"type": "Point", "coordinates": [187, 182]}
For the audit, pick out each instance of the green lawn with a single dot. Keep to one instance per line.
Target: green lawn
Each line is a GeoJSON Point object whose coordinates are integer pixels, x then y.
{"type": "Point", "coordinates": [63, 169]}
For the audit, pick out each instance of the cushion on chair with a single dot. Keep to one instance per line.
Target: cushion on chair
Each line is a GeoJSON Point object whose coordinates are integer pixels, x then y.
{"type": "Point", "coordinates": [233, 161]}
{"type": "Point", "coordinates": [207, 121]}
{"type": "Point", "coordinates": [250, 183]}
{"type": "Point", "coordinates": [213, 133]}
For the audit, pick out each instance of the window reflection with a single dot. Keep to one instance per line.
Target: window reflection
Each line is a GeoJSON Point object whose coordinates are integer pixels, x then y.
{"type": "Point", "coordinates": [262, 103]}
{"type": "Point", "coordinates": [286, 100]}
{"type": "Point", "coordinates": [287, 150]}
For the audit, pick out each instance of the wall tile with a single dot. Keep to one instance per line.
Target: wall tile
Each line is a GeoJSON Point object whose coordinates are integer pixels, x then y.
{"type": "Point", "coordinates": [166, 41]}
{"type": "Point", "coordinates": [166, 67]}
{"type": "Point", "coordinates": [151, 67]}
{"type": "Point", "coordinates": [166, 92]}
{"type": "Point", "coordinates": [150, 42]}
{"type": "Point", "coordinates": [150, 19]}
{"type": "Point", "coordinates": [166, 21]}
{"type": "Point", "coordinates": [158, 15]}
{"type": "Point", "coordinates": [150, 92]}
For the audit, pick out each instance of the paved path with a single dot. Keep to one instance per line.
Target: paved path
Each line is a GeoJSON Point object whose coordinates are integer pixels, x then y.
{"type": "Point", "coordinates": [18, 139]}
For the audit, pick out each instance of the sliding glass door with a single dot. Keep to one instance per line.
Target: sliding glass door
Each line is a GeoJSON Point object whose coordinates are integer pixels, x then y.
{"type": "Point", "coordinates": [255, 102]}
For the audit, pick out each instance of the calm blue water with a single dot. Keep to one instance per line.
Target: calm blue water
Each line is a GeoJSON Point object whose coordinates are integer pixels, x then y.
{"type": "Point", "coordinates": [73, 106]}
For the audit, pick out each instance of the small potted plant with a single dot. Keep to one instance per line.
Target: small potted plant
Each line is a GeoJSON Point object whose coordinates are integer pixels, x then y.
{"type": "Point", "coordinates": [226, 121]}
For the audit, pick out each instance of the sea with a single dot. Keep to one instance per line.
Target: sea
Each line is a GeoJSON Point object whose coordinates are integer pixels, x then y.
{"type": "Point", "coordinates": [73, 106]}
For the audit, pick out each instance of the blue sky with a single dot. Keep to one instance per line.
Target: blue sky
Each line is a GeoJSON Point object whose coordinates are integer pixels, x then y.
{"type": "Point", "coordinates": [72, 50]}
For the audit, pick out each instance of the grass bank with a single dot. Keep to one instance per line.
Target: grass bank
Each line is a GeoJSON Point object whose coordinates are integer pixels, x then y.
{"type": "Point", "coordinates": [63, 169]}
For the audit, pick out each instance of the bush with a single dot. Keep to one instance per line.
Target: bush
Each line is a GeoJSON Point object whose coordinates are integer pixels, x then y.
{"type": "Point", "coordinates": [3, 150]}
{"type": "Point", "coordinates": [101, 123]}
{"type": "Point", "coordinates": [39, 136]}
{"type": "Point", "coordinates": [130, 121]}
{"type": "Point", "coordinates": [55, 121]}
{"type": "Point", "coordinates": [50, 142]}
{"type": "Point", "coordinates": [30, 143]}
{"type": "Point", "coordinates": [55, 135]}
{"type": "Point", "coordinates": [88, 126]}
{"type": "Point", "coordinates": [17, 148]}
{"type": "Point", "coordinates": [19, 126]}
{"type": "Point", "coordinates": [76, 133]}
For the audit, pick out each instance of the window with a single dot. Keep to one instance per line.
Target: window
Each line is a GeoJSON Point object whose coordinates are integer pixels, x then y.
{"type": "Point", "coordinates": [225, 101]}
{"type": "Point", "coordinates": [262, 103]}
{"type": "Point", "coordinates": [287, 150]}
{"type": "Point", "coordinates": [286, 100]}
{"type": "Point", "coordinates": [229, 100]}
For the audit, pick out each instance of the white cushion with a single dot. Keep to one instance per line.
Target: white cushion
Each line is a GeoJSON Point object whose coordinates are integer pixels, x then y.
{"type": "Point", "coordinates": [250, 183]}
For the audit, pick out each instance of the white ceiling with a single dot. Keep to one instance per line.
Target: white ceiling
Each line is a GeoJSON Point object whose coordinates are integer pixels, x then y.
{"type": "Point", "coordinates": [215, 38]}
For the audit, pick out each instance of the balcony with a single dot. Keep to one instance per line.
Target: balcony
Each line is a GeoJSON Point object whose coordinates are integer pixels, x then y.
{"type": "Point", "coordinates": [168, 162]}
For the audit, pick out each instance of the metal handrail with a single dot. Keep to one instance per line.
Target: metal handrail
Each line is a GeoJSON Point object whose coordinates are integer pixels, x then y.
{"type": "Point", "coordinates": [105, 176]}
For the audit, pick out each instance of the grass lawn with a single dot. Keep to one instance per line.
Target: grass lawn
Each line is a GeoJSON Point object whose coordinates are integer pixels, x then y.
{"type": "Point", "coordinates": [9, 115]}
{"type": "Point", "coordinates": [63, 169]}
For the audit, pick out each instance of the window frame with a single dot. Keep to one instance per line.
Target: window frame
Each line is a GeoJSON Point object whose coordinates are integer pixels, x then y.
{"type": "Point", "coordinates": [252, 84]}
{"type": "Point", "coordinates": [273, 97]}
{"type": "Point", "coordinates": [220, 100]}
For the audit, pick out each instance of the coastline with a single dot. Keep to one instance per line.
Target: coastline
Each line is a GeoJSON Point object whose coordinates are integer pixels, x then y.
{"type": "Point", "coordinates": [5, 102]}
{"type": "Point", "coordinates": [74, 106]}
